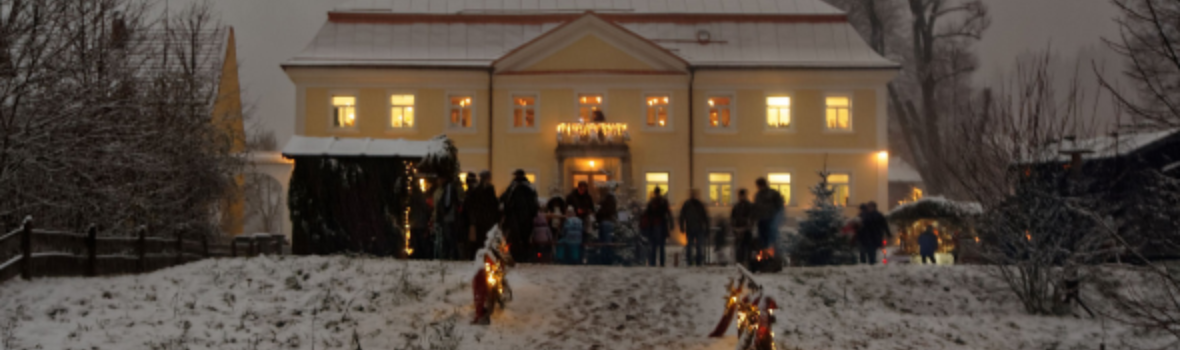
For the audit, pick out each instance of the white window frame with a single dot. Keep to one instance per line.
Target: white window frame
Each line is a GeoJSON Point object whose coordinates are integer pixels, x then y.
{"type": "Point", "coordinates": [851, 112]}
{"type": "Point", "coordinates": [332, 109]}
{"type": "Point", "coordinates": [667, 192]}
{"type": "Point", "coordinates": [389, 112]}
{"type": "Point", "coordinates": [733, 113]}
{"type": "Point", "coordinates": [792, 199]}
{"type": "Point", "coordinates": [851, 180]}
{"type": "Point", "coordinates": [474, 112]}
{"type": "Point", "coordinates": [766, 116]}
{"type": "Point", "coordinates": [733, 187]}
{"type": "Point", "coordinates": [578, 104]}
{"type": "Point", "coordinates": [512, 128]}
{"type": "Point", "coordinates": [668, 125]}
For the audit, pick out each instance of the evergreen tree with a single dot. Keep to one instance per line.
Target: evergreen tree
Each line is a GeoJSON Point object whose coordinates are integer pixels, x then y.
{"type": "Point", "coordinates": [819, 241]}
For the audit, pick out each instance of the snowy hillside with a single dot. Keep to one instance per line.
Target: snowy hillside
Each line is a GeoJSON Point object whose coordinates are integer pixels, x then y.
{"type": "Point", "coordinates": [291, 303]}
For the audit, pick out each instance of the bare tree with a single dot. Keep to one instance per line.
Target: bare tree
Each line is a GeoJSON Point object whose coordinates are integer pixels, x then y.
{"type": "Point", "coordinates": [105, 115]}
{"type": "Point", "coordinates": [1150, 42]}
{"type": "Point", "coordinates": [936, 57]}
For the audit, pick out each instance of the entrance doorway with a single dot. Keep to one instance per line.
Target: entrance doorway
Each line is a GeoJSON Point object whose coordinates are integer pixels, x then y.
{"type": "Point", "coordinates": [591, 178]}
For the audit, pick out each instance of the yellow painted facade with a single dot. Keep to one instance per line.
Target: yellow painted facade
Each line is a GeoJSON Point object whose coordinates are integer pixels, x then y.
{"type": "Point", "coordinates": [686, 148]}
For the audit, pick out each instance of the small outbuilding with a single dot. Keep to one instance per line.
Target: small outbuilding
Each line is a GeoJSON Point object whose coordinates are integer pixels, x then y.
{"type": "Point", "coordinates": [356, 194]}
{"type": "Point", "coordinates": [952, 222]}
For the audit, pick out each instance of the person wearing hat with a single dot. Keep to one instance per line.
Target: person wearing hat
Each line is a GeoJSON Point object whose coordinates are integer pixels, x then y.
{"type": "Point", "coordinates": [520, 206]}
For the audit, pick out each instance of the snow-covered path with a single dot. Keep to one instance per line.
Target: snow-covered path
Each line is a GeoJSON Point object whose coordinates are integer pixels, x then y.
{"type": "Point", "coordinates": [333, 302]}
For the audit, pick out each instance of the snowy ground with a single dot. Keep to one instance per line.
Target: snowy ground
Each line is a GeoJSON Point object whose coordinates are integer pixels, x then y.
{"type": "Point", "coordinates": [333, 302]}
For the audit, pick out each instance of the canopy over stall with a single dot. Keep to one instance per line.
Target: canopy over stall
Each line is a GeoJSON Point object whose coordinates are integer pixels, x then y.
{"type": "Point", "coordinates": [952, 221]}
{"type": "Point", "coordinates": [358, 194]}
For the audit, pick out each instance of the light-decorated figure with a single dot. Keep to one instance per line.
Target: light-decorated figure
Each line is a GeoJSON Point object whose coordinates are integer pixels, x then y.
{"type": "Point", "coordinates": [489, 285]}
{"type": "Point", "coordinates": [753, 310]}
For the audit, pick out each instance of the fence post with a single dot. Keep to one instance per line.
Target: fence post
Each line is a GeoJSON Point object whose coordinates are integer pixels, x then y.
{"type": "Point", "coordinates": [142, 248]}
{"type": "Point", "coordinates": [179, 248]}
{"type": "Point", "coordinates": [205, 245]}
{"type": "Point", "coordinates": [26, 248]}
{"type": "Point", "coordinates": [92, 251]}
{"type": "Point", "coordinates": [233, 247]}
{"type": "Point", "coordinates": [277, 244]}
{"type": "Point", "coordinates": [253, 246]}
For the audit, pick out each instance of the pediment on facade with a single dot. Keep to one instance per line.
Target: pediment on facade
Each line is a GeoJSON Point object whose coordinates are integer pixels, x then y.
{"type": "Point", "coordinates": [590, 44]}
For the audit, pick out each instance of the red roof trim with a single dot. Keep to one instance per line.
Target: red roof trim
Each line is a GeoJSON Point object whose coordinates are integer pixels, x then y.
{"type": "Point", "coordinates": [682, 18]}
{"type": "Point", "coordinates": [596, 71]}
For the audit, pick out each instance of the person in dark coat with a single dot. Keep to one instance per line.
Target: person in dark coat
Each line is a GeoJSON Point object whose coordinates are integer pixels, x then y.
{"type": "Point", "coordinates": [927, 244]}
{"type": "Point", "coordinates": [464, 231]}
{"type": "Point", "coordinates": [607, 217]}
{"type": "Point", "coordinates": [447, 201]}
{"type": "Point", "coordinates": [420, 213]}
{"type": "Point", "coordinates": [769, 207]}
{"type": "Point", "coordinates": [583, 204]}
{"type": "Point", "coordinates": [742, 219]}
{"type": "Point", "coordinates": [656, 223]}
{"type": "Point", "coordinates": [874, 230]}
{"type": "Point", "coordinates": [555, 211]}
{"type": "Point", "coordinates": [694, 223]}
{"type": "Point", "coordinates": [520, 207]}
{"type": "Point", "coordinates": [483, 209]}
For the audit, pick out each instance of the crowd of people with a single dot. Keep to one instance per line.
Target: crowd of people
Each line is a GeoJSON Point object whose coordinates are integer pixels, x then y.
{"type": "Point", "coordinates": [456, 222]}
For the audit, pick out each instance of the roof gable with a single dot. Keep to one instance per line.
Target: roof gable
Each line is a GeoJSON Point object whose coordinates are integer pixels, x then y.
{"type": "Point", "coordinates": [590, 44]}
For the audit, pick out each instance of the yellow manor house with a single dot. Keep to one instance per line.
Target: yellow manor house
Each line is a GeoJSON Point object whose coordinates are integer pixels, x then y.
{"type": "Point", "coordinates": [704, 94]}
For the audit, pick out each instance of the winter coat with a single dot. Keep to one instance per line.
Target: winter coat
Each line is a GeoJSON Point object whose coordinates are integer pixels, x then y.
{"type": "Point", "coordinates": [541, 234]}
{"type": "Point", "coordinates": [873, 230]}
{"type": "Point", "coordinates": [572, 231]}
{"type": "Point", "coordinates": [927, 242]}
{"type": "Point", "coordinates": [657, 213]}
{"type": "Point", "coordinates": [694, 216]}
{"type": "Point", "coordinates": [608, 210]}
{"type": "Point", "coordinates": [481, 207]}
{"type": "Point", "coordinates": [520, 204]}
{"type": "Point", "coordinates": [583, 203]}
{"type": "Point", "coordinates": [768, 202]}
{"type": "Point", "coordinates": [447, 201]}
{"type": "Point", "coordinates": [742, 216]}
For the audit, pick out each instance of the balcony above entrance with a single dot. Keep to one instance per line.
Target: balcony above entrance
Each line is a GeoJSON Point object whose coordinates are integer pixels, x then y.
{"type": "Point", "coordinates": [592, 134]}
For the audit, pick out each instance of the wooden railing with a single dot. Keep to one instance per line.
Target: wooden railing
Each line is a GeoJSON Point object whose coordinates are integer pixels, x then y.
{"type": "Point", "coordinates": [29, 252]}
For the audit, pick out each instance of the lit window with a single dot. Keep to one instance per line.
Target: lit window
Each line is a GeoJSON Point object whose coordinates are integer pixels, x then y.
{"type": "Point", "coordinates": [781, 182]}
{"type": "Point", "coordinates": [657, 111]}
{"type": "Point", "coordinates": [524, 111]}
{"type": "Point", "coordinates": [916, 194]}
{"type": "Point", "coordinates": [720, 188]}
{"type": "Point", "coordinates": [719, 111]}
{"type": "Point", "coordinates": [778, 112]}
{"type": "Point", "coordinates": [401, 111]}
{"type": "Point", "coordinates": [839, 116]}
{"type": "Point", "coordinates": [587, 105]}
{"type": "Point", "coordinates": [657, 180]}
{"type": "Point", "coordinates": [460, 112]}
{"type": "Point", "coordinates": [531, 176]}
{"type": "Point", "coordinates": [838, 182]}
{"type": "Point", "coordinates": [343, 111]}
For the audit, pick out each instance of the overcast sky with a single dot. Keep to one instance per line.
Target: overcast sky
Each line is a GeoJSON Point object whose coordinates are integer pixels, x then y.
{"type": "Point", "coordinates": [271, 31]}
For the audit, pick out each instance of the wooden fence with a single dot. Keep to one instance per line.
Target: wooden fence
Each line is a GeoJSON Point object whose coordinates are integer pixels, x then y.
{"type": "Point", "coordinates": [29, 252]}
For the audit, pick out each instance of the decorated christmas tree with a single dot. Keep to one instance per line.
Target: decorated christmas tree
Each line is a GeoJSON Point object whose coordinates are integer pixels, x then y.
{"type": "Point", "coordinates": [819, 241]}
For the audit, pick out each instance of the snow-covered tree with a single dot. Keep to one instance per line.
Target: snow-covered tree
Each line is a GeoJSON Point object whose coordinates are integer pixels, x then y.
{"type": "Point", "coordinates": [106, 116]}
{"type": "Point", "coordinates": [819, 241]}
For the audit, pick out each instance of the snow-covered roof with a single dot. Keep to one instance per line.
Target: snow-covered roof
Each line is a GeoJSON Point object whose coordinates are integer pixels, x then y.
{"type": "Point", "coordinates": [1101, 147]}
{"type": "Point", "coordinates": [363, 147]}
{"type": "Point", "coordinates": [935, 207]}
{"type": "Point", "coordinates": [802, 44]}
{"type": "Point", "coordinates": [900, 171]}
{"type": "Point", "coordinates": [630, 6]}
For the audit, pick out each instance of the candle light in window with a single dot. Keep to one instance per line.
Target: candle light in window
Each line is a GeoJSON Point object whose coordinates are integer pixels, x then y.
{"type": "Point", "coordinates": [662, 123]}
{"type": "Point", "coordinates": [710, 102]}
{"type": "Point", "coordinates": [592, 164]}
{"type": "Point", "coordinates": [598, 99]}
